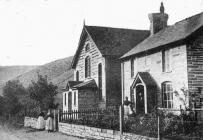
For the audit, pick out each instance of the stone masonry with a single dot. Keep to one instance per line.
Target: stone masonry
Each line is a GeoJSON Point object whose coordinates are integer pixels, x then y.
{"type": "Point", "coordinates": [98, 133]}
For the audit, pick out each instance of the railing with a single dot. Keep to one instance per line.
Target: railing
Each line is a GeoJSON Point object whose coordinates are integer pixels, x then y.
{"type": "Point", "coordinates": [161, 123]}
{"type": "Point", "coordinates": [107, 119]}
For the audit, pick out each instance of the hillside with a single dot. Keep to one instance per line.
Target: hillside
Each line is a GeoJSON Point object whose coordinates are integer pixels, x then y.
{"type": "Point", "coordinates": [58, 72]}
{"type": "Point", "coordinates": [10, 72]}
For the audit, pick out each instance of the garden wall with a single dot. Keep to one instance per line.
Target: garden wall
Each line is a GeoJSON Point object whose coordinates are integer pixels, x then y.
{"type": "Point", "coordinates": [97, 133]}
{"type": "Point", "coordinates": [30, 122]}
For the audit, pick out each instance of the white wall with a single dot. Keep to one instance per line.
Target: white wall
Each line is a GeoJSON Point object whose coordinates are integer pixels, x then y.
{"type": "Point", "coordinates": [153, 64]}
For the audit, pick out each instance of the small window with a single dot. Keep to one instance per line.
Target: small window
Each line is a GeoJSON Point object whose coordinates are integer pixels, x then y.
{"type": "Point", "coordinates": [166, 60]}
{"type": "Point", "coordinates": [87, 47]}
{"type": "Point", "coordinates": [132, 67]}
{"type": "Point", "coordinates": [167, 95]}
{"type": "Point", "coordinates": [75, 98]}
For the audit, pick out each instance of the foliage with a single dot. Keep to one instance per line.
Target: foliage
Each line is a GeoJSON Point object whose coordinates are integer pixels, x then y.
{"type": "Point", "coordinates": [105, 119]}
{"type": "Point", "coordinates": [1, 105]}
{"type": "Point", "coordinates": [186, 97]}
{"type": "Point", "coordinates": [141, 124]}
{"type": "Point", "coordinates": [43, 92]}
{"type": "Point", "coordinates": [11, 93]}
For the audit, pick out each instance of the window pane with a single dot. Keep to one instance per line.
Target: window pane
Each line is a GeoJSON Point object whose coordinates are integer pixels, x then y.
{"type": "Point", "coordinates": [164, 87]}
{"type": "Point", "coordinates": [168, 87]}
{"type": "Point", "coordinates": [167, 94]}
{"type": "Point", "coordinates": [165, 104]}
{"type": "Point", "coordinates": [169, 104]}
{"type": "Point", "coordinates": [170, 95]}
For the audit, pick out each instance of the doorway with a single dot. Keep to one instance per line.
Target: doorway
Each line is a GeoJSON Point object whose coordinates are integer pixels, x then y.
{"type": "Point", "coordinates": [140, 107]}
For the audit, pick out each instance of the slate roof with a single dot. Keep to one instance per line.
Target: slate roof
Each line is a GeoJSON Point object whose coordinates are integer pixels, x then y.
{"type": "Point", "coordinates": [146, 77]}
{"type": "Point", "coordinates": [86, 84]}
{"type": "Point", "coordinates": [171, 34]}
{"type": "Point", "coordinates": [71, 84]}
{"type": "Point", "coordinates": [113, 42]}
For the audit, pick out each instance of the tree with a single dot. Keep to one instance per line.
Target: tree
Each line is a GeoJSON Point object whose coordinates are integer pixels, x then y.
{"type": "Point", "coordinates": [43, 92]}
{"type": "Point", "coordinates": [11, 93]}
{"type": "Point", "coordinates": [1, 105]}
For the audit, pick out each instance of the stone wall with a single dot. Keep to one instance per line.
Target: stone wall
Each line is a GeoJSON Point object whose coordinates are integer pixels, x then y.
{"type": "Point", "coordinates": [97, 133]}
{"type": "Point", "coordinates": [30, 122]}
{"type": "Point", "coordinates": [195, 64]}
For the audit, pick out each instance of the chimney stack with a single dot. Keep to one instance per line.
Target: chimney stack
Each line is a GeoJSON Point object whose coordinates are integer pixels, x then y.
{"type": "Point", "coordinates": [158, 21]}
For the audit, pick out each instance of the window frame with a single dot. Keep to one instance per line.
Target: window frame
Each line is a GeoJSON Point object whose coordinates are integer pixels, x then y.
{"type": "Point", "coordinates": [87, 47]}
{"type": "Point", "coordinates": [100, 81]}
{"type": "Point", "coordinates": [166, 61]}
{"type": "Point", "coordinates": [65, 99]}
{"type": "Point", "coordinates": [77, 75]}
{"type": "Point", "coordinates": [74, 102]}
{"type": "Point", "coordinates": [132, 69]}
{"type": "Point", "coordinates": [167, 94]}
{"type": "Point", "coordinates": [87, 66]}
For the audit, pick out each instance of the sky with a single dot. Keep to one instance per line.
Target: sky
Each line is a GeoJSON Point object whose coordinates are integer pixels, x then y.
{"type": "Point", "coordinates": [35, 32]}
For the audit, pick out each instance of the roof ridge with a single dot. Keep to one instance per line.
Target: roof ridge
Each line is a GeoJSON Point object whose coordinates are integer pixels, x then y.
{"type": "Point", "coordinates": [116, 28]}
{"type": "Point", "coordinates": [188, 18]}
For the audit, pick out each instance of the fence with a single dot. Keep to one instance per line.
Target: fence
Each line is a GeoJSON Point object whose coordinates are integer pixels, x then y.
{"type": "Point", "coordinates": [171, 124]}
{"type": "Point", "coordinates": [107, 119]}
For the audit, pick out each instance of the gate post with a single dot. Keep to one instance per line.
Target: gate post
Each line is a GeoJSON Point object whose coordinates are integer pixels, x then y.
{"type": "Point", "coordinates": [158, 128]}
{"type": "Point", "coordinates": [121, 119]}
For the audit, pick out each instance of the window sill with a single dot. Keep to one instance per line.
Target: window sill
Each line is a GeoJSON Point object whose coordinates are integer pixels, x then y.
{"type": "Point", "coordinates": [165, 72]}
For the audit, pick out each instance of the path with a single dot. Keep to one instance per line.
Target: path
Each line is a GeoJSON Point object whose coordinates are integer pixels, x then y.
{"type": "Point", "coordinates": [7, 133]}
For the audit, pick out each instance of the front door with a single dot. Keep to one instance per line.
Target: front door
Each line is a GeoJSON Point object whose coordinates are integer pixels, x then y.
{"type": "Point", "coordinates": [140, 99]}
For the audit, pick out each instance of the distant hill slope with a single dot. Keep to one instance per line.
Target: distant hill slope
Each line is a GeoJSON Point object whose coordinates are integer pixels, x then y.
{"type": "Point", "coordinates": [58, 72]}
{"type": "Point", "coordinates": [10, 72]}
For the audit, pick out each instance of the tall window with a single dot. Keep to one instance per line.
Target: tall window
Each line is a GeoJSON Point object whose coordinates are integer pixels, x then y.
{"type": "Point", "coordinates": [77, 76]}
{"type": "Point", "coordinates": [75, 98]}
{"type": "Point", "coordinates": [100, 80]}
{"type": "Point", "coordinates": [165, 61]}
{"type": "Point", "coordinates": [87, 66]}
{"type": "Point", "coordinates": [65, 99]}
{"type": "Point", "coordinates": [167, 95]}
{"type": "Point", "coordinates": [132, 67]}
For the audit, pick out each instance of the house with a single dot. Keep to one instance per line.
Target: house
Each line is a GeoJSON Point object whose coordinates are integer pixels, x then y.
{"type": "Point", "coordinates": [170, 59]}
{"type": "Point", "coordinates": [96, 64]}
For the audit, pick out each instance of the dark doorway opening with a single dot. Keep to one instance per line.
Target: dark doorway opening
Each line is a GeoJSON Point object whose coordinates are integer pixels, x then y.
{"type": "Point", "coordinates": [140, 108]}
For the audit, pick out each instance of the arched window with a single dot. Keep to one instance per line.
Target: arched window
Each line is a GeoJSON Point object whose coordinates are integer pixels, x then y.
{"type": "Point", "coordinates": [77, 76]}
{"type": "Point", "coordinates": [167, 95]}
{"type": "Point", "coordinates": [87, 47]}
{"type": "Point", "coordinates": [87, 66]}
{"type": "Point", "coordinates": [100, 80]}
